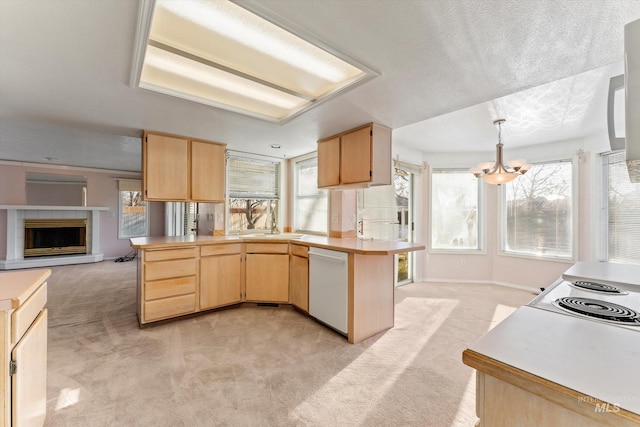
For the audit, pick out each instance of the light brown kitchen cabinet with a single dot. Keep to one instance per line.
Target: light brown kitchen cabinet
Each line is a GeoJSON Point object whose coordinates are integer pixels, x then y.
{"type": "Point", "coordinates": [359, 157]}
{"type": "Point", "coordinates": [23, 360]}
{"type": "Point", "coordinates": [299, 277]}
{"type": "Point", "coordinates": [267, 272]}
{"type": "Point", "coordinates": [169, 283]}
{"type": "Point", "coordinates": [176, 168]}
{"type": "Point", "coordinates": [220, 275]}
{"type": "Point", "coordinates": [207, 171]}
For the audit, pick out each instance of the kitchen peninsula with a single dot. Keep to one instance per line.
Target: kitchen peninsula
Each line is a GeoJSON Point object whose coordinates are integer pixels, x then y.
{"type": "Point", "coordinates": [185, 275]}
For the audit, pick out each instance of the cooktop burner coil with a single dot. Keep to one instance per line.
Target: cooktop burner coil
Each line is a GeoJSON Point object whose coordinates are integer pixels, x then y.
{"type": "Point", "coordinates": [597, 287]}
{"type": "Point", "coordinates": [603, 310]}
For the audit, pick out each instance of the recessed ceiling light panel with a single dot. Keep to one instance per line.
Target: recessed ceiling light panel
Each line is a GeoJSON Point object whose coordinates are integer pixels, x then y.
{"type": "Point", "coordinates": [218, 53]}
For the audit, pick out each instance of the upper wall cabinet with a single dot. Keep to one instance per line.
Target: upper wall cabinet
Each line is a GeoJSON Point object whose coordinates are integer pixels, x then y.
{"type": "Point", "coordinates": [360, 157]}
{"type": "Point", "coordinates": [176, 168]}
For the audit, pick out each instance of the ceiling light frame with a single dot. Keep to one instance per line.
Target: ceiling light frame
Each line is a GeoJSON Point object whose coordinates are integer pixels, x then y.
{"type": "Point", "coordinates": [143, 40]}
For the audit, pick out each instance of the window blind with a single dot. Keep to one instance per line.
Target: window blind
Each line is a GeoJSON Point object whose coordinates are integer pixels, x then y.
{"type": "Point", "coordinates": [252, 178]}
{"type": "Point", "coordinates": [623, 210]}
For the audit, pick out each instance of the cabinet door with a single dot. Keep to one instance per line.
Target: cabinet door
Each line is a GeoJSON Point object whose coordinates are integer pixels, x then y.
{"type": "Point", "coordinates": [220, 280]}
{"type": "Point", "coordinates": [329, 162]}
{"type": "Point", "coordinates": [300, 282]}
{"type": "Point", "coordinates": [207, 171]}
{"type": "Point", "coordinates": [29, 383]}
{"type": "Point", "coordinates": [355, 156]}
{"type": "Point", "coordinates": [267, 278]}
{"type": "Point", "coordinates": [165, 167]}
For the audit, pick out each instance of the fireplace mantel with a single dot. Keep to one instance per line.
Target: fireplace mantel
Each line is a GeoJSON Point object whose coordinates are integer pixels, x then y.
{"type": "Point", "coordinates": [15, 234]}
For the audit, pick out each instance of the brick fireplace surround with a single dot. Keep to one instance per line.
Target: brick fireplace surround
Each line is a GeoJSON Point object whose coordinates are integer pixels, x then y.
{"type": "Point", "coordinates": [16, 214]}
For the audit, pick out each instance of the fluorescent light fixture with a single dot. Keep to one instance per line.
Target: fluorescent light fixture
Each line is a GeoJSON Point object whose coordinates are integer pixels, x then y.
{"type": "Point", "coordinates": [218, 53]}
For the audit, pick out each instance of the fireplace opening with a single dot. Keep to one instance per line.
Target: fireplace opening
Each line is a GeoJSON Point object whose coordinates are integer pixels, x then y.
{"type": "Point", "coordinates": [55, 236]}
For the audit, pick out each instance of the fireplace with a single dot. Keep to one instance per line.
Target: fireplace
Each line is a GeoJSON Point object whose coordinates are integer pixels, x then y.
{"type": "Point", "coordinates": [54, 236]}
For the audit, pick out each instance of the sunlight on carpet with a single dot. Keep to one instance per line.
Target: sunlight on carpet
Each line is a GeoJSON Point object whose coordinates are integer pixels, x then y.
{"type": "Point", "coordinates": [469, 397]}
{"type": "Point", "coordinates": [365, 381]}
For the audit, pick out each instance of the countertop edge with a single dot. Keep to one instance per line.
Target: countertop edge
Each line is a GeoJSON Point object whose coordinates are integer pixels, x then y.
{"type": "Point", "coordinates": [33, 277]}
{"type": "Point", "coordinates": [348, 246]}
{"type": "Point", "coordinates": [546, 389]}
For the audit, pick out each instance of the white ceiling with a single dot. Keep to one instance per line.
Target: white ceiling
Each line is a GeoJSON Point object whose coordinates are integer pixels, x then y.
{"type": "Point", "coordinates": [447, 69]}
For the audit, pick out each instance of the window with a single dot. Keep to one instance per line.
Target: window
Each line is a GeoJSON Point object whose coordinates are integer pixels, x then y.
{"type": "Point", "coordinates": [254, 186]}
{"type": "Point", "coordinates": [310, 202]}
{"type": "Point", "coordinates": [455, 202]}
{"type": "Point", "coordinates": [133, 212]}
{"type": "Point", "coordinates": [622, 199]}
{"type": "Point", "coordinates": [385, 212]}
{"type": "Point", "coordinates": [538, 212]}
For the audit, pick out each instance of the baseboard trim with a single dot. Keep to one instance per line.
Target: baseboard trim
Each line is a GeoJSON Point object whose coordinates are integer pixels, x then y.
{"type": "Point", "coordinates": [483, 282]}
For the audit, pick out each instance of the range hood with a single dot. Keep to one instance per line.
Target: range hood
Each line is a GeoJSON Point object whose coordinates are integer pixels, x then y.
{"type": "Point", "coordinates": [632, 98]}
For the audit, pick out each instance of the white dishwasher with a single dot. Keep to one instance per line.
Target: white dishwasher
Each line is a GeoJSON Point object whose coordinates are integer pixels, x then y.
{"type": "Point", "coordinates": [328, 287]}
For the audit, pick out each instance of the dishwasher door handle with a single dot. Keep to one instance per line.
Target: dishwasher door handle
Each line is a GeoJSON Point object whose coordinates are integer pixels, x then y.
{"type": "Point", "coordinates": [327, 257]}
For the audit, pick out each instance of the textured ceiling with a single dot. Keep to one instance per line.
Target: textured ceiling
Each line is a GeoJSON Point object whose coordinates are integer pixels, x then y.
{"type": "Point", "coordinates": [65, 68]}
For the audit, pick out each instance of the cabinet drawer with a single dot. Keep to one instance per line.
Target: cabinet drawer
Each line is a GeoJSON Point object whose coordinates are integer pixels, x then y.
{"type": "Point", "coordinates": [300, 250]}
{"type": "Point", "coordinates": [169, 269]}
{"type": "Point", "coordinates": [267, 248]}
{"type": "Point", "coordinates": [169, 307]}
{"type": "Point", "coordinates": [169, 288]}
{"type": "Point", "coordinates": [24, 315]}
{"type": "Point", "coordinates": [220, 249]}
{"type": "Point", "coordinates": [165, 254]}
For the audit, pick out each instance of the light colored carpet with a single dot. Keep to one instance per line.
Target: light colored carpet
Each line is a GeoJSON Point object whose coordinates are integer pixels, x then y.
{"type": "Point", "coordinates": [260, 366]}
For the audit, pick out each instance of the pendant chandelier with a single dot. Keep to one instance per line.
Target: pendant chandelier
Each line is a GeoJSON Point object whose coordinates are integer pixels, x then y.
{"type": "Point", "coordinates": [496, 172]}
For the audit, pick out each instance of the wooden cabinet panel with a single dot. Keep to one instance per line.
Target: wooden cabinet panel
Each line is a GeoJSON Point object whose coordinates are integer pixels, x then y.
{"type": "Point", "coordinates": [169, 269]}
{"type": "Point", "coordinates": [24, 315]}
{"type": "Point", "coordinates": [29, 383]}
{"type": "Point", "coordinates": [220, 280]}
{"type": "Point", "coordinates": [355, 156]}
{"type": "Point", "coordinates": [207, 171]}
{"type": "Point", "coordinates": [359, 157]}
{"type": "Point", "coordinates": [169, 254]}
{"type": "Point", "coordinates": [165, 167]}
{"type": "Point", "coordinates": [299, 282]}
{"type": "Point", "coordinates": [210, 250]}
{"type": "Point", "coordinates": [329, 162]}
{"type": "Point", "coordinates": [267, 248]}
{"type": "Point", "coordinates": [169, 307]}
{"type": "Point", "coordinates": [267, 277]}
{"type": "Point", "coordinates": [300, 250]}
{"type": "Point", "coordinates": [169, 288]}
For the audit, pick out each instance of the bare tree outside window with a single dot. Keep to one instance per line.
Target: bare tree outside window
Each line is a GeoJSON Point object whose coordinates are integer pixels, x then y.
{"type": "Point", "coordinates": [539, 212]}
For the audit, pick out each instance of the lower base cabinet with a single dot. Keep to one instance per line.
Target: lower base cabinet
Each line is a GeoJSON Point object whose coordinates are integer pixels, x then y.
{"type": "Point", "coordinates": [299, 277]}
{"type": "Point", "coordinates": [23, 360]}
{"type": "Point", "coordinates": [267, 277]}
{"type": "Point", "coordinates": [220, 276]}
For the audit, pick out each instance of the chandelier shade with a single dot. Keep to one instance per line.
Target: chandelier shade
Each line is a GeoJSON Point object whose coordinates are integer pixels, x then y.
{"type": "Point", "coordinates": [496, 172]}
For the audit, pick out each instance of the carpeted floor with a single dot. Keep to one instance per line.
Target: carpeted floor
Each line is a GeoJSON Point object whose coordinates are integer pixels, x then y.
{"type": "Point", "coordinates": [260, 366]}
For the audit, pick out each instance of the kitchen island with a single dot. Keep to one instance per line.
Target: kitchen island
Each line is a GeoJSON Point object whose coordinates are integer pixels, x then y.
{"type": "Point", "coordinates": [180, 276]}
{"type": "Point", "coordinates": [540, 368]}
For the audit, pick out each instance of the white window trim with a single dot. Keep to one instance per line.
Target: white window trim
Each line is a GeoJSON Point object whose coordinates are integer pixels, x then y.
{"type": "Point", "coordinates": [502, 219]}
{"type": "Point", "coordinates": [482, 231]}
{"type": "Point", "coordinates": [294, 196]}
{"type": "Point", "coordinates": [282, 198]}
{"type": "Point", "coordinates": [147, 218]}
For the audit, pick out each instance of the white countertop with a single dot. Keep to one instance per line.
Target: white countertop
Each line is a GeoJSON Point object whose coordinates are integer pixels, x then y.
{"type": "Point", "coordinates": [597, 359]}
{"type": "Point", "coordinates": [605, 271]}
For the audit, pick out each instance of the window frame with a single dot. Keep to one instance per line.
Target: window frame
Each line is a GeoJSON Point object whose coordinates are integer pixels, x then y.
{"type": "Point", "coordinates": [481, 238]}
{"type": "Point", "coordinates": [295, 221]}
{"type": "Point", "coordinates": [603, 178]}
{"type": "Point", "coordinates": [280, 200]}
{"type": "Point", "coordinates": [121, 235]}
{"type": "Point", "coordinates": [502, 216]}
